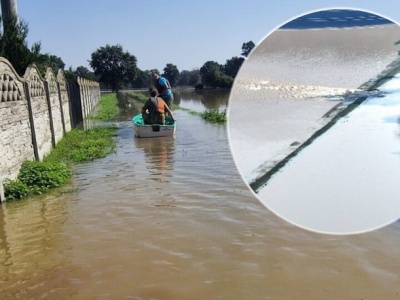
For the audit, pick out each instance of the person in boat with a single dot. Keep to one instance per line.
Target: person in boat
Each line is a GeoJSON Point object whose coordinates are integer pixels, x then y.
{"type": "Point", "coordinates": [154, 110]}
{"type": "Point", "coordinates": [164, 88]}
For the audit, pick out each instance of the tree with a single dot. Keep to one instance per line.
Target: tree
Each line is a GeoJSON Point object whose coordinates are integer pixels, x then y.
{"type": "Point", "coordinates": [247, 47]}
{"type": "Point", "coordinates": [142, 80]}
{"type": "Point", "coordinates": [184, 78]}
{"type": "Point", "coordinates": [171, 72]}
{"type": "Point", "coordinates": [189, 78]}
{"type": "Point", "coordinates": [54, 62]}
{"type": "Point", "coordinates": [84, 72]}
{"type": "Point", "coordinates": [210, 73]}
{"type": "Point", "coordinates": [194, 77]}
{"type": "Point", "coordinates": [115, 67]}
{"type": "Point", "coordinates": [232, 66]}
{"type": "Point", "coordinates": [13, 45]}
{"type": "Point", "coordinates": [225, 81]}
{"type": "Point", "coordinates": [43, 61]}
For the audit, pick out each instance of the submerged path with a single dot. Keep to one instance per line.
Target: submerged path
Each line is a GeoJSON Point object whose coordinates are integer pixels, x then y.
{"type": "Point", "coordinates": [346, 180]}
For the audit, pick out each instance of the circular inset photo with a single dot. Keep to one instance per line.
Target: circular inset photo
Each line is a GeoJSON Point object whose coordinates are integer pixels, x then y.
{"type": "Point", "coordinates": [314, 121]}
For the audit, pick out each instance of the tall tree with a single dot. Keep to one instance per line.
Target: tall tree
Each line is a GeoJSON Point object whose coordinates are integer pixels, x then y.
{"type": "Point", "coordinates": [210, 73]}
{"type": "Point", "coordinates": [13, 45]}
{"type": "Point", "coordinates": [189, 78]}
{"type": "Point", "coordinates": [84, 72]}
{"type": "Point", "coordinates": [233, 65]}
{"type": "Point", "coordinates": [194, 77]}
{"type": "Point", "coordinates": [43, 61]}
{"type": "Point", "coordinates": [171, 72]}
{"type": "Point", "coordinates": [247, 47]}
{"type": "Point", "coordinates": [115, 67]}
{"type": "Point", "coordinates": [143, 79]}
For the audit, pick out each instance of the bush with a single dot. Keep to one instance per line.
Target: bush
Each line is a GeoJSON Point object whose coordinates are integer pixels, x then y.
{"type": "Point", "coordinates": [15, 189]}
{"type": "Point", "coordinates": [41, 176]}
{"type": "Point", "coordinates": [214, 116]}
{"type": "Point", "coordinates": [35, 178]}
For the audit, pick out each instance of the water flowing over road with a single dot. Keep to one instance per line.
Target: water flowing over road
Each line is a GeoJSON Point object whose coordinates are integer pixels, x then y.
{"type": "Point", "coordinates": [173, 219]}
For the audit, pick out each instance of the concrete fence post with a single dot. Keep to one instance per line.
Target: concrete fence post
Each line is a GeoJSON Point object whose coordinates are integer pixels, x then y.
{"type": "Point", "coordinates": [2, 197]}
{"type": "Point", "coordinates": [61, 108]}
{"type": "Point", "coordinates": [53, 135]}
{"type": "Point", "coordinates": [33, 131]}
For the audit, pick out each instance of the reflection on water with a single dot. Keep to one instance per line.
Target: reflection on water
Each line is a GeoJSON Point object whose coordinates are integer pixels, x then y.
{"type": "Point", "coordinates": [199, 100]}
{"type": "Point", "coordinates": [172, 219]}
{"type": "Point", "coordinates": [159, 154]}
{"type": "Point", "coordinates": [31, 245]}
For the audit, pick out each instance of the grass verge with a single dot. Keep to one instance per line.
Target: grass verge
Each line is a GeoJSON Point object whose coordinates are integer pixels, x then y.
{"type": "Point", "coordinates": [108, 107]}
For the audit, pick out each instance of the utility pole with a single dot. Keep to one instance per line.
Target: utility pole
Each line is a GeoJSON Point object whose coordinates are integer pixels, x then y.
{"type": "Point", "coordinates": [9, 11]}
{"type": "Point", "coordinates": [9, 14]}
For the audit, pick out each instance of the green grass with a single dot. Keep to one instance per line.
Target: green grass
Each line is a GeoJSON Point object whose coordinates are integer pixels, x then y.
{"type": "Point", "coordinates": [108, 107]}
{"type": "Point", "coordinates": [79, 146]}
{"type": "Point", "coordinates": [141, 97]}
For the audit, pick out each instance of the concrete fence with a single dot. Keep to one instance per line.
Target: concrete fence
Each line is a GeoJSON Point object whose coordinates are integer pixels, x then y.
{"type": "Point", "coordinates": [36, 112]}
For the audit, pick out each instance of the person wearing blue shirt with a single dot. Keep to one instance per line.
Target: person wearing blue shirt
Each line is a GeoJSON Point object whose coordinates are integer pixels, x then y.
{"type": "Point", "coordinates": [164, 88]}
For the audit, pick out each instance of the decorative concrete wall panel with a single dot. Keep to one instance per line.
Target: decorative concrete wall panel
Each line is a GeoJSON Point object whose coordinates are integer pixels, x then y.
{"type": "Point", "coordinates": [40, 111]}
{"type": "Point", "coordinates": [55, 105]}
{"type": "Point", "coordinates": [15, 135]}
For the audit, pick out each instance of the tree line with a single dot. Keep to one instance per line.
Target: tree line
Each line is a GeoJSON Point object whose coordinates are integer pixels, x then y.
{"type": "Point", "coordinates": [116, 69]}
{"type": "Point", "coordinates": [113, 67]}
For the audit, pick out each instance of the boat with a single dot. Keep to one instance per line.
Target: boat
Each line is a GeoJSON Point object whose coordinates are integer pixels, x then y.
{"type": "Point", "coordinates": [147, 131]}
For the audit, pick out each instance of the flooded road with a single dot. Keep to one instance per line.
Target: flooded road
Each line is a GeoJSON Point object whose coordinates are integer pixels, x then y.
{"type": "Point", "coordinates": [173, 219]}
{"type": "Point", "coordinates": [293, 80]}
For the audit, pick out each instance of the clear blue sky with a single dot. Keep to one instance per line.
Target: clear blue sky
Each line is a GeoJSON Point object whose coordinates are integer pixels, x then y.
{"type": "Point", "coordinates": [186, 33]}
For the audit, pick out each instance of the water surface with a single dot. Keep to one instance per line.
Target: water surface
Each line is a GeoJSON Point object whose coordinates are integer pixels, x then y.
{"type": "Point", "coordinates": [172, 219]}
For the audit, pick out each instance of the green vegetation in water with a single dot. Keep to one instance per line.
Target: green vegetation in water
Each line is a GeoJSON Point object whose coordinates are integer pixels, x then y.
{"type": "Point", "coordinates": [108, 107]}
{"type": "Point", "coordinates": [214, 115]}
{"type": "Point", "coordinates": [35, 178]}
{"type": "Point", "coordinates": [76, 146]}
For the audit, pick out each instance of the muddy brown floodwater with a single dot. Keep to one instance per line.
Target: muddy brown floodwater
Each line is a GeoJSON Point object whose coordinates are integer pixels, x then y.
{"type": "Point", "coordinates": [172, 219]}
